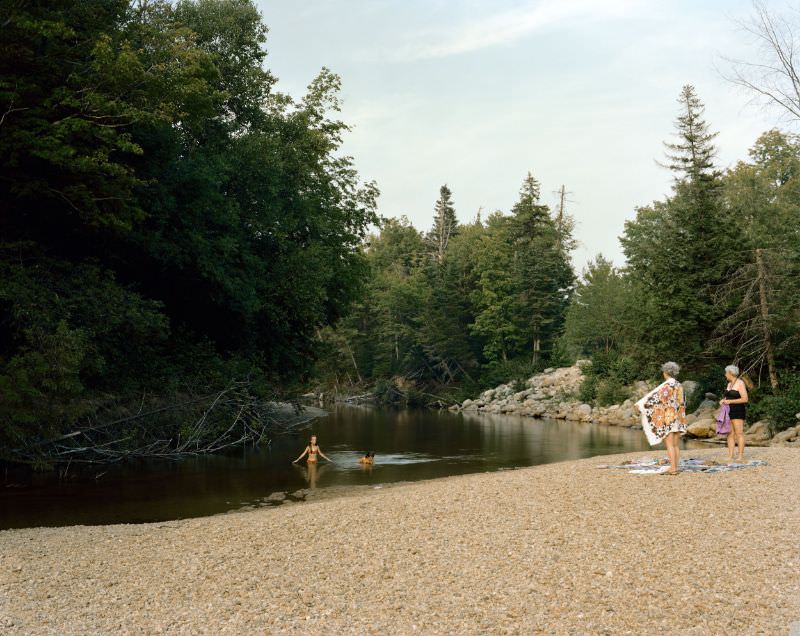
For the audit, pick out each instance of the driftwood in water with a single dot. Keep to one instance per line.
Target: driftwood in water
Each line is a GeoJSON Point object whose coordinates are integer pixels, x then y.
{"type": "Point", "coordinates": [194, 426]}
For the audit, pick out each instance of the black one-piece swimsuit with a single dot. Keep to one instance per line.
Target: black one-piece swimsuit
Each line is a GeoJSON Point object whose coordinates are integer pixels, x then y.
{"type": "Point", "coordinates": [738, 411]}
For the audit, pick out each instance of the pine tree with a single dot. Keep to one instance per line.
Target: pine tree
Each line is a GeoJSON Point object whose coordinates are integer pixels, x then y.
{"type": "Point", "coordinates": [445, 224]}
{"type": "Point", "coordinates": [542, 271]}
{"type": "Point", "coordinates": [680, 251]}
{"type": "Point", "coordinates": [692, 156]}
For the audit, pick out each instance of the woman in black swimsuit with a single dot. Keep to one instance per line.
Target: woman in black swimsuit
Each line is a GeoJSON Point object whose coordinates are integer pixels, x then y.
{"type": "Point", "coordinates": [736, 397]}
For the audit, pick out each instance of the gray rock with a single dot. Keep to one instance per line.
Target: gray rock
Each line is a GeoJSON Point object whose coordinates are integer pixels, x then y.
{"type": "Point", "coordinates": [758, 432]}
{"type": "Point", "coordinates": [786, 436]}
{"type": "Point", "coordinates": [706, 405]}
{"type": "Point", "coordinates": [690, 387]}
{"type": "Point", "coordinates": [702, 429]}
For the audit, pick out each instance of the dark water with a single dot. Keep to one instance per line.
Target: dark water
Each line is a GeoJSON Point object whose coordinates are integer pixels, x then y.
{"type": "Point", "coordinates": [409, 445]}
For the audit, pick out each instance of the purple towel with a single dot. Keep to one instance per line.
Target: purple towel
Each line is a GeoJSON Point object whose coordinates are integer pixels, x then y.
{"type": "Point", "coordinates": [724, 420]}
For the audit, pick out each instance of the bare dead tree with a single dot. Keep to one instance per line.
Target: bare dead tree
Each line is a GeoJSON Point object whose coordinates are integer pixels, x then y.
{"type": "Point", "coordinates": [750, 328]}
{"type": "Point", "coordinates": [773, 78]}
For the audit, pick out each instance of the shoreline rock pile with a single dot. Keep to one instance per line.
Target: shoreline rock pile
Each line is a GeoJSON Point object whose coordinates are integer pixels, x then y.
{"type": "Point", "coordinates": [553, 394]}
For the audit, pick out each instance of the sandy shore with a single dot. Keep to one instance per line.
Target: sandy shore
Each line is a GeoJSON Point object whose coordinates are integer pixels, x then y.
{"type": "Point", "coordinates": [557, 549]}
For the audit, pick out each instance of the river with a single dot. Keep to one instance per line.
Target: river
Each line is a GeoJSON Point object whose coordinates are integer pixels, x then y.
{"type": "Point", "coordinates": [409, 445]}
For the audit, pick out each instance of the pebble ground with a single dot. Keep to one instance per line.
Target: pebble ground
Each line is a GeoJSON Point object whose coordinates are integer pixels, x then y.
{"type": "Point", "coordinates": [558, 549]}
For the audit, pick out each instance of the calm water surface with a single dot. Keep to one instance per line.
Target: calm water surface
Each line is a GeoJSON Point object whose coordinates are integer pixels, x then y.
{"type": "Point", "coordinates": [409, 445]}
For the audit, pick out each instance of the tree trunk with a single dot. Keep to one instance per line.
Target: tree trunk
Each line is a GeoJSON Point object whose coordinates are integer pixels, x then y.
{"type": "Point", "coordinates": [353, 359]}
{"type": "Point", "coordinates": [763, 307]}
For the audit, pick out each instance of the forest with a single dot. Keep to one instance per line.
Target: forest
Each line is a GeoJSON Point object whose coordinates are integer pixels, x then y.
{"type": "Point", "coordinates": [181, 243]}
{"type": "Point", "coordinates": [174, 229]}
{"type": "Point", "coordinates": [711, 278]}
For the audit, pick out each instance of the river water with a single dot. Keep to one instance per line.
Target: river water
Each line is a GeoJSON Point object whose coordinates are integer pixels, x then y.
{"type": "Point", "coordinates": [409, 445]}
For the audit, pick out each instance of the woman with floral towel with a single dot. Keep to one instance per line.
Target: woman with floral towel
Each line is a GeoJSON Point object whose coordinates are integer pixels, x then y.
{"type": "Point", "coordinates": [663, 413]}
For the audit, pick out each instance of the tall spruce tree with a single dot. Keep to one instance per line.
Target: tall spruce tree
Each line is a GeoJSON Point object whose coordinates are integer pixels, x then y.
{"type": "Point", "coordinates": [542, 270]}
{"type": "Point", "coordinates": [680, 251]}
{"type": "Point", "coordinates": [445, 224]}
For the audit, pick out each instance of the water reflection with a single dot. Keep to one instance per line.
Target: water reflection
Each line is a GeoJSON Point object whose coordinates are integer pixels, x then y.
{"type": "Point", "coordinates": [409, 445]}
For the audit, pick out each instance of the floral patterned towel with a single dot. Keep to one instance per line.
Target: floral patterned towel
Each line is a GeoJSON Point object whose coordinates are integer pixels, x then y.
{"type": "Point", "coordinates": [663, 411]}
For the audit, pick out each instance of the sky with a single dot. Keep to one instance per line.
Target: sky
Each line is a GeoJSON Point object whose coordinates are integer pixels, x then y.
{"type": "Point", "coordinates": [476, 93]}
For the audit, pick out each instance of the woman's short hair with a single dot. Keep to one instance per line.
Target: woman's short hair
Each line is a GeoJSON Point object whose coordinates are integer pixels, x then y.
{"type": "Point", "coordinates": [671, 369]}
{"type": "Point", "coordinates": [733, 370]}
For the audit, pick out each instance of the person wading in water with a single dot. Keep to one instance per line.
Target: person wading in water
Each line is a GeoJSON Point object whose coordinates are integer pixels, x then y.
{"type": "Point", "coordinates": [312, 450]}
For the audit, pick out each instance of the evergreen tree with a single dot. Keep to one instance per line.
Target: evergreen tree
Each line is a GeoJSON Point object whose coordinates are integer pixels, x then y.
{"type": "Point", "coordinates": [679, 251]}
{"type": "Point", "coordinates": [445, 224]}
{"type": "Point", "coordinates": [595, 320]}
{"type": "Point", "coordinates": [692, 155]}
{"type": "Point", "coordinates": [541, 268]}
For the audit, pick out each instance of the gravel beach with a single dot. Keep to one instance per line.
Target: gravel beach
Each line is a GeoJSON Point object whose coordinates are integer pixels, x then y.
{"type": "Point", "coordinates": [557, 549]}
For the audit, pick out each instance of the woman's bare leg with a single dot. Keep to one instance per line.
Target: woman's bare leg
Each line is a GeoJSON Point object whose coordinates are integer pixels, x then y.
{"type": "Point", "coordinates": [731, 443]}
{"type": "Point", "coordinates": [672, 452]}
{"type": "Point", "coordinates": [676, 450]}
{"type": "Point", "coordinates": [737, 427]}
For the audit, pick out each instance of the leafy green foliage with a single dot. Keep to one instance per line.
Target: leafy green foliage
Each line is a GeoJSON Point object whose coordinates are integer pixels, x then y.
{"type": "Point", "coordinates": [483, 306]}
{"type": "Point", "coordinates": [711, 276]}
{"type": "Point", "coordinates": [781, 410]}
{"type": "Point", "coordinates": [170, 222]}
{"type": "Point", "coordinates": [607, 377]}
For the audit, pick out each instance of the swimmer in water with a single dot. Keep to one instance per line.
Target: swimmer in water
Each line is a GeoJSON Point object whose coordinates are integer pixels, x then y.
{"type": "Point", "coordinates": [368, 459]}
{"type": "Point", "coordinates": [312, 450]}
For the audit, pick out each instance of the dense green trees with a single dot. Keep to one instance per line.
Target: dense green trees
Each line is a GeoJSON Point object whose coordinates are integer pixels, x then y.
{"type": "Point", "coordinates": [464, 304]}
{"type": "Point", "coordinates": [712, 271]}
{"type": "Point", "coordinates": [170, 222]}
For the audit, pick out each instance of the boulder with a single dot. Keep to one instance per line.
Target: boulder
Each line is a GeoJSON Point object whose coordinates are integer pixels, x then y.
{"type": "Point", "coordinates": [707, 405]}
{"type": "Point", "coordinates": [786, 436]}
{"type": "Point", "coordinates": [690, 388]}
{"type": "Point", "coordinates": [702, 429]}
{"type": "Point", "coordinates": [466, 404]}
{"type": "Point", "coordinates": [758, 432]}
{"type": "Point", "coordinates": [640, 388]}
{"type": "Point", "coordinates": [585, 411]}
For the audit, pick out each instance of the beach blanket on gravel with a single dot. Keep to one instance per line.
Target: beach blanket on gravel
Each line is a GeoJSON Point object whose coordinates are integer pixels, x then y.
{"type": "Point", "coordinates": [653, 466]}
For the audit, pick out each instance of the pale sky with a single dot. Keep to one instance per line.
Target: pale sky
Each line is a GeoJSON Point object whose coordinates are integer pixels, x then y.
{"type": "Point", "coordinates": [475, 93]}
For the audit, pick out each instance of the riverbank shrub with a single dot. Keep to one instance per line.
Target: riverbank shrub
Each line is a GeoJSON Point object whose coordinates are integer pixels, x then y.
{"type": "Point", "coordinates": [780, 410]}
{"type": "Point", "coordinates": [606, 378]}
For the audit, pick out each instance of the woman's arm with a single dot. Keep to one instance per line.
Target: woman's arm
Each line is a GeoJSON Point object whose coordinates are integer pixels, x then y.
{"type": "Point", "coordinates": [301, 456]}
{"type": "Point", "coordinates": [324, 456]}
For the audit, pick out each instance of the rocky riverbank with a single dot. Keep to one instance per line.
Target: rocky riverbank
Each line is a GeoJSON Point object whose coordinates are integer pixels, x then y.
{"type": "Point", "coordinates": [553, 394]}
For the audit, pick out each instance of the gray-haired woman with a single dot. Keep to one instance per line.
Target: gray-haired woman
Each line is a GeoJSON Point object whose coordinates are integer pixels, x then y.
{"type": "Point", "coordinates": [664, 415]}
{"type": "Point", "coordinates": [736, 398]}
